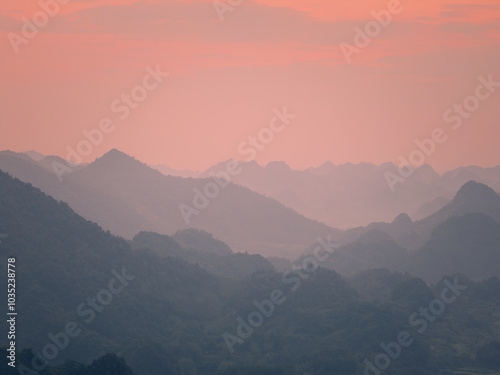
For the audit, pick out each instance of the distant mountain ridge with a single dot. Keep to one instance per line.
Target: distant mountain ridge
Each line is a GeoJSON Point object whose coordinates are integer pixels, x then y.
{"type": "Point", "coordinates": [341, 196]}
{"type": "Point", "coordinates": [126, 196]}
{"type": "Point", "coordinates": [462, 237]}
{"type": "Point", "coordinates": [352, 195]}
{"type": "Point", "coordinates": [472, 197]}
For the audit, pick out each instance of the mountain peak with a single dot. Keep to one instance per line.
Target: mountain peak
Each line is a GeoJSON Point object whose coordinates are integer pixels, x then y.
{"type": "Point", "coordinates": [473, 191]}
{"type": "Point", "coordinates": [277, 165]}
{"type": "Point", "coordinates": [402, 220]}
{"type": "Point", "coordinates": [115, 157]}
{"type": "Point", "coordinates": [115, 154]}
{"type": "Point", "coordinates": [427, 173]}
{"type": "Point", "coordinates": [426, 168]}
{"type": "Point", "coordinates": [116, 161]}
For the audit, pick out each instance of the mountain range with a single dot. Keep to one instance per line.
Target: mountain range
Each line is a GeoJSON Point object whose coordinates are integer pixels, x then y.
{"type": "Point", "coordinates": [352, 195]}
{"type": "Point", "coordinates": [126, 197]}
{"type": "Point", "coordinates": [167, 315]}
{"type": "Point", "coordinates": [462, 237]}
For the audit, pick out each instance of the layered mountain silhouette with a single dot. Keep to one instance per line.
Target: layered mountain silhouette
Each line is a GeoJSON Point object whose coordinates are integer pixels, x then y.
{"type": "Point", "coordinates": [462, 237]}
{"type": "Point", "coordinates": [373, 249]}
{"type": "Point", "coordinates": [352, 195]}
{"type": "Point", "coordinates": [472, 197]}
{"type": "Point", "coordinates": [62, 260]}
{"type": "Point", "coordinates": [199, 247]}
{"type": "Point", "coordinates": [169, 316]}
{"type": "Point", "coordinates": [126, 196]}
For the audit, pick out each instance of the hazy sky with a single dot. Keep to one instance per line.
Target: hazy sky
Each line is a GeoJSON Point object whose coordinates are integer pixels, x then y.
{"type": "Point", "coordinates": [227, 76]}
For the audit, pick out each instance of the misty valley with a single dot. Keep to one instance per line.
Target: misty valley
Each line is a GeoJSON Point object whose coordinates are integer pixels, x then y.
{"type": "Point", "coordinates": [110, 278]}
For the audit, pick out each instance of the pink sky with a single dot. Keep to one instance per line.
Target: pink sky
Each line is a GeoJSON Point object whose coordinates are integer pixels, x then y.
{"type": "Point", "coordinates": [226, 77]}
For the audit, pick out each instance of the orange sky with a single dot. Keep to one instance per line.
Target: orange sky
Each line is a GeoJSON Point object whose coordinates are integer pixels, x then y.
{"type": "Point", "coordinates": [226, 77]}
